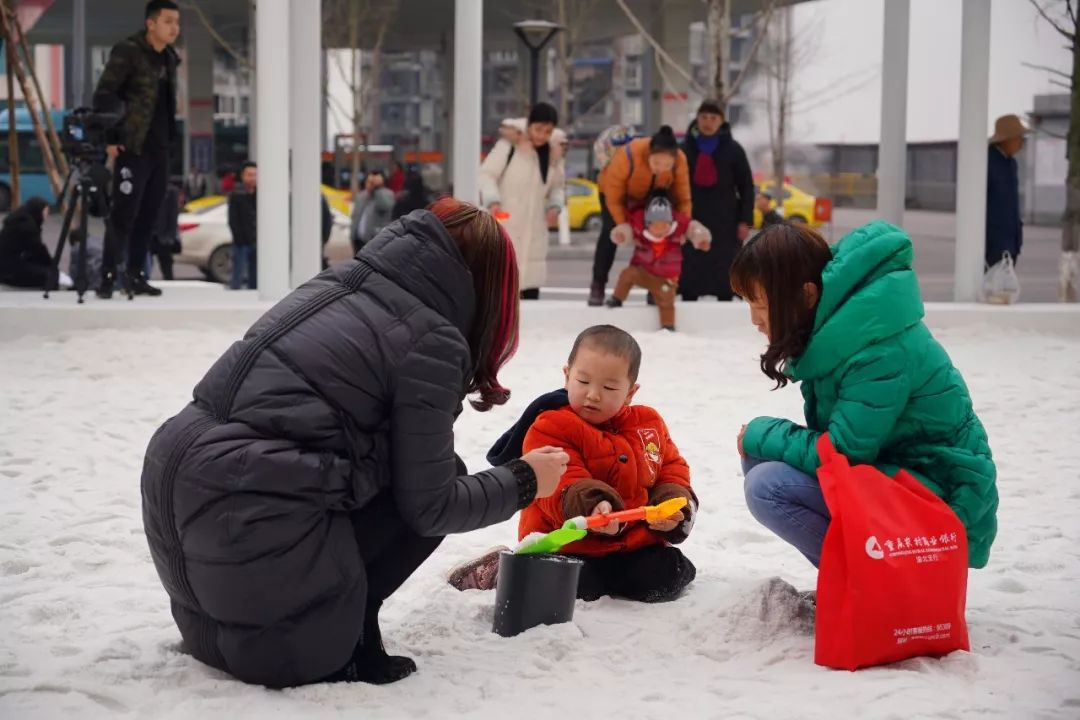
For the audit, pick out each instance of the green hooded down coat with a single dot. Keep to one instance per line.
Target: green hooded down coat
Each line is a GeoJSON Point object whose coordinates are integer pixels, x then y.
{"type": "Point", "coordinates": [884, 389]}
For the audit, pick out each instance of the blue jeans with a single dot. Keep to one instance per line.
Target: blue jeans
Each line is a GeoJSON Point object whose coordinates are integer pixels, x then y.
{"type": "Point", "coordinates": [788, 502]}
{"type": "Point", "coordinates": [243, 265]}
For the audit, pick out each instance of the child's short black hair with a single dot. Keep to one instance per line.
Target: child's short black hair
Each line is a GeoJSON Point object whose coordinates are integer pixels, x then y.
{"type": "Point", "coordinates": [247, 165]}
{"type": "Point", "coordinates": [154, 7]}
{"type": "Point", "coordinates": [613, 340]}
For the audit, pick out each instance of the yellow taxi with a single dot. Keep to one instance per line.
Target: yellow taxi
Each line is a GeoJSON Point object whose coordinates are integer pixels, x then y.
{"type": "Point", "coordinates": [798, 205]}
{"type": "Point", "coordinates": [583, 205]}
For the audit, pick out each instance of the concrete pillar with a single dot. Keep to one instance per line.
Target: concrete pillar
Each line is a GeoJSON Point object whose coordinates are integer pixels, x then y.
{"type": "Point", "coordinates": [468, 79]}
{"type": "Point", "coordinates": [972, 149]}
{"type": "Point", "coordinates": [305, 66]}
{"type": "Point", "coordinates": [272, 143]}
{"type": "Point", "coordinates": [199, 126]}
{"type": "Point", "coordinates": [81, 95]}
{"type": "Point", "coordinates": [892, 156]}
{"type": "Point", "coordinates": [253, 104]}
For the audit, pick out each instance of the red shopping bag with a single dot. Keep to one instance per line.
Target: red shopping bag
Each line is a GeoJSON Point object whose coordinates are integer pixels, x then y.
{"type": "Point", "coordinates": [893, 577]}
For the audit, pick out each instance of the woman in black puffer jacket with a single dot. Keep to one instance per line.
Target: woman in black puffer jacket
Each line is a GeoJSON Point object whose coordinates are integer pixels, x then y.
{"type": "Point", "coordinates": [315, 469]}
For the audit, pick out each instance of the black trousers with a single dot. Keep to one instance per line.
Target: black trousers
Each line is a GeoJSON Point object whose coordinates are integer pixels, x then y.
{"type": "Point", "coordinates": [658, 573]}
{"type": "Point", "coordinates": [604, 257]}
{"type": "Point", "coordinates": [391, 550]}
{"type": "Point", "coordinates": [164, 255]}
{"type": "Point", "coordinates": [139, 183]}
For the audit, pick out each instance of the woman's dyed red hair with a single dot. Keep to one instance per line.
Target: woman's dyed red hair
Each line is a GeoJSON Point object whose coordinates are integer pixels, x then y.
{"type": "Point", "coordinates": [489, 255]}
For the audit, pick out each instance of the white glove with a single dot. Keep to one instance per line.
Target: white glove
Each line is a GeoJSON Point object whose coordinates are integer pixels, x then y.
{"type": "Point", "coordinates": [622, 234]}
{"type": "Point", "coordinates": [699, 235]}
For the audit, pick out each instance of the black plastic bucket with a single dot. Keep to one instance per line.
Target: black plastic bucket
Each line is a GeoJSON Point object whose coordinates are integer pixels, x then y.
{"type": "Point", "coordinates": [534, 590]}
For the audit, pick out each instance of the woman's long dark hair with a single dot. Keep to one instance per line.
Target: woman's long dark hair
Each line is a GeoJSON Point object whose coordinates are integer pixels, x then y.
{"type": "Point", "coordinates": [489, 255]}
{"type": "Point", "coordinates": [664, 141]}
{"type": "Point", "coordinates": [779, 261]}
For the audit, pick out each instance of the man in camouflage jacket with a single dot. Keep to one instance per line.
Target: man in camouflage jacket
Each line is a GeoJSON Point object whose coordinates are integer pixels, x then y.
{"type": "Point", "coordinates": [139, 81]}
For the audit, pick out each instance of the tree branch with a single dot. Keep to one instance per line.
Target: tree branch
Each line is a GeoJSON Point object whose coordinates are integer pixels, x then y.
{"type": "Point", "coordinates": [660, 51]}
{"type": "Point", "coordinates": [1053, 23]}
{"type": "Point", "coordinates": [240, 59]}
{"type": "Point", "coordinates": [1048, 69]}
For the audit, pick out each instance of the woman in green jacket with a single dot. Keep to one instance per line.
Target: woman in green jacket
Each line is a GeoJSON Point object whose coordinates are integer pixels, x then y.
{"type": "Point", "coordinates": [847, 323]}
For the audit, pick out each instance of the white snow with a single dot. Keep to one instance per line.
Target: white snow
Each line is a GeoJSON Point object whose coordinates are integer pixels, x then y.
{"type": "Point", "coordinates": [85, 629]}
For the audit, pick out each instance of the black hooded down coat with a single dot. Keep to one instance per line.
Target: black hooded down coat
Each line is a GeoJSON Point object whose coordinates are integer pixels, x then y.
{"type": "Point", "coordinates": [346, 388]}
{"type": "Point", "coordinates": [719, 207]}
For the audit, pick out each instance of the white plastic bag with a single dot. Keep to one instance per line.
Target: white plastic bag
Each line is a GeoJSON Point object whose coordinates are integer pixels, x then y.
{"type": "Point", "coordinates": [1000, 284]}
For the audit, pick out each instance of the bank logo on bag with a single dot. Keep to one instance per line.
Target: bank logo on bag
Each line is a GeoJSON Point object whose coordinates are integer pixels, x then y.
{"type": "Point", "coordinates": [873, 548]}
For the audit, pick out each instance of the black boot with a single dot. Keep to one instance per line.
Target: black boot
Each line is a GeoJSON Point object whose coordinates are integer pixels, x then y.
{"type": "Point", "coordinates": [105, 288]}
{"type": "Point", "coordinates": [596, 294]}
{"type": "Point", "coordinates": [530, 294]}
{"type": "Point", "coordinates": [137, 285]}
{"type": "Point", "coordinates": [613, 302]}
{"type": "Point", "coordinates": [370, 663]}
{"type": "Point", "coordinates": [649, 299]}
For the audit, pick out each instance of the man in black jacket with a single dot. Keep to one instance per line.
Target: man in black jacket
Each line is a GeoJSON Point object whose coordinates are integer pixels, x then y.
{"type": "Point", "coordinates": [243, 222]}
{"type": "Point", "coordinates": [722, 189]}
{"type": "Point", "coordinates": [140, 78]}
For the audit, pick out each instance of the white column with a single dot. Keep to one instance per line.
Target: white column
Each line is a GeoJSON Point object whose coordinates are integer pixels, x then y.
{"type": "Point", "coordinates": [971, 153]}
{"type": "Point", "coordinates": [892, 152]}
{"type": "Point", "coordinates": [306, 78]}
{"type": "Point", "coordinates": [468, 75]}
{"type": "Point", "coordinates": [272, 143]}
{"type": "Point", "coordinates": [79, 55]}
{"type": "Point", "coordinates": [199, 126]}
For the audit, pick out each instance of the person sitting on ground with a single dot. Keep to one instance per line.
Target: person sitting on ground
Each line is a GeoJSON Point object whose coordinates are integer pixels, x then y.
{"type": "Point", "coordinates": [764, 204]}
{"type": "Point", "coordinates": [659, 234]}
{"type": "Point", "coordinates": [621, 457]}
{"type": "Point", "coordinates": [24, 260]}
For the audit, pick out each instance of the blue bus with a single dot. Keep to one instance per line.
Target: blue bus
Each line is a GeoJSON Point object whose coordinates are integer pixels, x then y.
{"type": "Point", "coordinates": [32, 178]}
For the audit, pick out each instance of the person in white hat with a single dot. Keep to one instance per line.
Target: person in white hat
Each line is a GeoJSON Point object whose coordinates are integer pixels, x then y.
{"type": "Point", "coordinates": [1004, 228]}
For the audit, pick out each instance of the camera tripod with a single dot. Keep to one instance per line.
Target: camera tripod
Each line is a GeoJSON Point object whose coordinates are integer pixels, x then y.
{"type": "Point", "coordinates": [84, 190]}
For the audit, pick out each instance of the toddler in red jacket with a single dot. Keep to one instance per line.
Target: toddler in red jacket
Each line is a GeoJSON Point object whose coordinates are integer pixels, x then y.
{"type": "Point", "coordinates": [621, 457]}
{"type": "Point", "coordinates": [658, 232]}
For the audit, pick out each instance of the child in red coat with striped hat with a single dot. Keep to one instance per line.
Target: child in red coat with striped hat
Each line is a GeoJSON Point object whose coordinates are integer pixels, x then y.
{"type": "Point", "coordinates": [659, 232]}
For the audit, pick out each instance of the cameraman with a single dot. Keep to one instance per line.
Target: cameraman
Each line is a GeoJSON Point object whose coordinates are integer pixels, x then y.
{"type": "Point", "coordinates": [140, 77]}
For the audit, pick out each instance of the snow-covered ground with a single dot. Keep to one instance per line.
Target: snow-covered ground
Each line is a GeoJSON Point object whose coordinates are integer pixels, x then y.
{"type": "Point", "coordinates": [85, 629]}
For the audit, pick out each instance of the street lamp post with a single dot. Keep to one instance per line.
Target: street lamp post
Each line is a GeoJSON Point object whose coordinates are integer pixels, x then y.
{"type": "Point", "coordinates": [535, 34]}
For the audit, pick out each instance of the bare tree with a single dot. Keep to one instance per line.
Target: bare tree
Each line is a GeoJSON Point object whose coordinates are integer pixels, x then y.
{"type": "Point", "coordinates": [1065, 21]}
{"type": "Point", "coordinates": [779, 64]}
{"type": "Point", "coordinates": [355, 16]}
{"type": "Point", "coordinates": [574, 16]}
{"type": "Point", "coordinates": [785, 51]}
{"type": "Point", "coordinates": [719, 32]}
{"type": "Point", "coordinates": [241, 59]}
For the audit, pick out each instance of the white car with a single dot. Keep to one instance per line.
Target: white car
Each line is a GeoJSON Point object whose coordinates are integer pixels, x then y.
{"type": "Point", "coordinates": [206, 241]}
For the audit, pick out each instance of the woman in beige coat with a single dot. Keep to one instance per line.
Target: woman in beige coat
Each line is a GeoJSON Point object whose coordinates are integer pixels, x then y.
{"type": "Point", "coordinates": [523, 176]}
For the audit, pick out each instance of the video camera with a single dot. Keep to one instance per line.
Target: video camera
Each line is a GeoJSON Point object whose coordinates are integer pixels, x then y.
{"type": "Point", "coordinates": [86, 133]}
